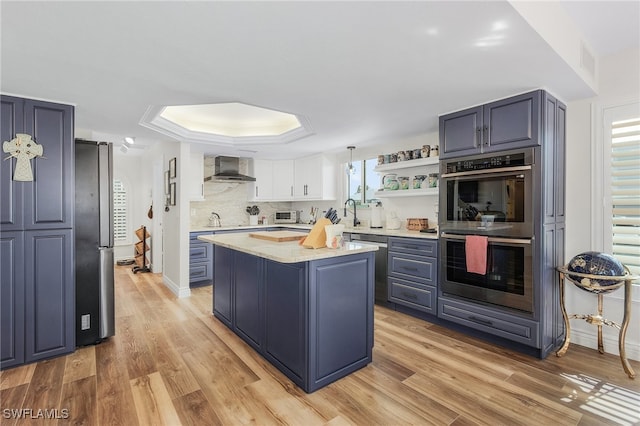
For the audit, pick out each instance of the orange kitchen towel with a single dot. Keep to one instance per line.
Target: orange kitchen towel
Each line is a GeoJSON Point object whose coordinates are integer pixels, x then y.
{"type": "Point", "coordinates": [317, 237]}
{"type": "Point", "coordinates": [476, 248]}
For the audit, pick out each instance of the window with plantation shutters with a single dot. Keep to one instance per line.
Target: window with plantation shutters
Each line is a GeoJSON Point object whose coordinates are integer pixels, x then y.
{"type": "Point", "coordinates": [120, 223]}
{"type": "Point", "coordinates": [624, 191]}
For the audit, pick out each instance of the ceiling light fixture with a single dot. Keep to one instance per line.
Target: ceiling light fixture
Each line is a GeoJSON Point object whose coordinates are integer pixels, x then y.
{"type": "Point", "coordinates": [350, 169]}
{"type": "Point", "coordinates": [123, 149]}
{"type": "Point", "coordinates": [130, 140]}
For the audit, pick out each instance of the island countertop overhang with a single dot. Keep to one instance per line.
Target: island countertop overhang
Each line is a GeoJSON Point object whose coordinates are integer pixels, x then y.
{"type": "Point", "coordinates": [283, 252]}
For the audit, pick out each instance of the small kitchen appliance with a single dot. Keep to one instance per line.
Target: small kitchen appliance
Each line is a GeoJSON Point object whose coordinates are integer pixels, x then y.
{"type": "Point", "coordinates": [287, 216]}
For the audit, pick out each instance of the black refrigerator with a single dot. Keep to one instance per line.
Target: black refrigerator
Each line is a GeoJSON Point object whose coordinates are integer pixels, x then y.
{"type": "Point", "coordinates": [95, 318]}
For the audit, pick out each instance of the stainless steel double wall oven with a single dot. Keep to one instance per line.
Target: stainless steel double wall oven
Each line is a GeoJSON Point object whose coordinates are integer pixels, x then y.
{"type": "Point", "coordinates": [489, 195]}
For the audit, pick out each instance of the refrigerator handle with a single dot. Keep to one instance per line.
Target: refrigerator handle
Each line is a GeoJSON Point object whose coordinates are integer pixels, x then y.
{"type": "Point", "coordinates": [105, 166]}
{"type": "Point", "coordinates": [107, 312]}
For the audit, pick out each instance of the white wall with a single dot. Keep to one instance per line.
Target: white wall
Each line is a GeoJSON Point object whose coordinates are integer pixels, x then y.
{"type": "Point", "coordinates": [136, 176]}
{"type": "Point", "coordinates": [619, 84]}
{"type": "Point", "coordinates": [175, 223]}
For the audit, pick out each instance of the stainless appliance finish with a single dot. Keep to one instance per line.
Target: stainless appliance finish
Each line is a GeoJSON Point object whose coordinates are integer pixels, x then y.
{"type": "Point", "coordinates": [95, 315]}
{"type": "Point", "coordinates": [509, 278]}
{"type": "Point", "coordinates": [227, 169]}
{"type": "Point", "coordinates": [488, 195]}
{"type": "Point", "coordinates": [381, 286]}
{"type": "Point", "coordinates": [287, 216]}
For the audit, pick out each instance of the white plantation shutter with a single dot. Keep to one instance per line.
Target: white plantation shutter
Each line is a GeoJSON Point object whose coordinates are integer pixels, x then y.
{"type": "Point", "coordinates": [120, 225]}
{"type": "Point", "coordinates": [625, 192]}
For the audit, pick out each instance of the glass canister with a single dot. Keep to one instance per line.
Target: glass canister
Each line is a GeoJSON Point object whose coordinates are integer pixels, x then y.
{"type": "Point", "coordinates": [417, 181]}
{"type": "Point", "coordinates": [433, 180]}
{"type": "Point", "coordinates": [404, 182]}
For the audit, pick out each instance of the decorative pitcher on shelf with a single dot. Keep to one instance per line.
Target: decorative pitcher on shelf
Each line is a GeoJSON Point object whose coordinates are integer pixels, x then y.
{"type": "Point", "coordinates": [390, 182]}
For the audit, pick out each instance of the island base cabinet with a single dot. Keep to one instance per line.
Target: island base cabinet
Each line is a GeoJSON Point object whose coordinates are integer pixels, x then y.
{"type": "Point", "coordinates": [286, 322]}
{"type": "Point", "coordinates": [312, 320]}
{"type": "Point", "coordinates": [247, 301]}
{"type": "Point", "coordinates": [223, 267]}
{"type": "Point", "coordinates": [341, 322]}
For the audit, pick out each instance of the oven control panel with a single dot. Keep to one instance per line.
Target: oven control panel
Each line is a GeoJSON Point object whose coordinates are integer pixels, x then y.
{"type": "Point", "coordinates": [494, 162]}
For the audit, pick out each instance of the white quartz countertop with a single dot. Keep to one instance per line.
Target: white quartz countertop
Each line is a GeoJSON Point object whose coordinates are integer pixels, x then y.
{"type": "Point", "coordinates": [283, 252]}
{"type": "Point", "coordinates": [359, 230]}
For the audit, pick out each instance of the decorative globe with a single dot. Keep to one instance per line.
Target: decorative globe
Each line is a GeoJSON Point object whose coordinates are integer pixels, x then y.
{"type": "Point", "coordinates": [596, 263]}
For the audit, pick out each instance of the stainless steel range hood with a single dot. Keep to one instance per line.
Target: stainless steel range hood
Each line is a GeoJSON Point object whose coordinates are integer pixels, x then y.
{"type": "Point", "coordinates": [227, 169]}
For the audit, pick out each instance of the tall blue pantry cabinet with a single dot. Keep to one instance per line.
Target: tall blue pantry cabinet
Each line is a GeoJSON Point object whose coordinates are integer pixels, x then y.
{"type": "Point", "coordinates": [37, 282]}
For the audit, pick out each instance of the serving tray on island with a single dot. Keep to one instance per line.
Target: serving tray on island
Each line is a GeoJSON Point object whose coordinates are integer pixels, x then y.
{"type": "Point", "coordinates": [278, 236]}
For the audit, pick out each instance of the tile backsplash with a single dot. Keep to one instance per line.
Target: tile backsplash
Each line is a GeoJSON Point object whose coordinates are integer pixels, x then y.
{"type": "Point", "coordinates": [229, 200]}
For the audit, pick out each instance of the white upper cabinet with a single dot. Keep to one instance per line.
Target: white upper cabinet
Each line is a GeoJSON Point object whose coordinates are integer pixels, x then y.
{"type": "Point", "coordinates": [262, 188]}
{"type": "Point", "coordinates": [314, 178]}
{"type": "Point", "coordinates": [309, 178]}
{"type": "Point", "coordinates": [283, 180]}
{"type": "Point", "coordinates": [195, 175]}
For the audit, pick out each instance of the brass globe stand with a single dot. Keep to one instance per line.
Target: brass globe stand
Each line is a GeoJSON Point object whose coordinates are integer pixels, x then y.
{"type": "Point", "coordinates": [598, 320]}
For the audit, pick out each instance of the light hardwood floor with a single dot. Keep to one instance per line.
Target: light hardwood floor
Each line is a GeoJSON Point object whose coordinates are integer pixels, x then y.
{"type": "Point", "coordinates": [171, 362]}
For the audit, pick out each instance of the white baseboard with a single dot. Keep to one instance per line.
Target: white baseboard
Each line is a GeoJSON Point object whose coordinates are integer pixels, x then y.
{"type": "Point", "coordinates": [590, 340]}
{"type": "Point", "coordinates": [176, 289]}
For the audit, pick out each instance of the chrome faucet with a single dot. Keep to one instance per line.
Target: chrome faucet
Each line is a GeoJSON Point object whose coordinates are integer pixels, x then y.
{"type": "Point", "coordinates": [356, 222]}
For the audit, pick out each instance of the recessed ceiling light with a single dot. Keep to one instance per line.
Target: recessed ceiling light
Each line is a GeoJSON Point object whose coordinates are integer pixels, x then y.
{"type": "Point", "coordinates": [231, 119]}
{"type": "Point", "coordinates": [230, 123]}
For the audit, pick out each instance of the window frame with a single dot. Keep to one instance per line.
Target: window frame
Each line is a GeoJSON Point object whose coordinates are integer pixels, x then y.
{"type": "Point", "coordinates": [362, 203]}
{"type": "Point", "coordinates": [602, 236]}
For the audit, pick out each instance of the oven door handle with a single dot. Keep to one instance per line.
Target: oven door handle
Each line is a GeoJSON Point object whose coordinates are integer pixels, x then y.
{"type": "Point", "coordinates": [490, 239]}
{"type": "Point", "coordinates": [487, 171]}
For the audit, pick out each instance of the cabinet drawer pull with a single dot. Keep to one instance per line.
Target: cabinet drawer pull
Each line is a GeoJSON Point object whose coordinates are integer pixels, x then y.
{"type": "Point", "coordinates": [410, 296]}
{"type": "Point", "coordinates": [409, 247]}
{"type": "Point", "coordinates": [410, 268]}
{"type": "Point", "coordinates": [480, 320]}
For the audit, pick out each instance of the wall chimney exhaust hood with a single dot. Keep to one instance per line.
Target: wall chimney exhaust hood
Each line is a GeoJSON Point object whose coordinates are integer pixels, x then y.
{"type": "Point", "coordinates": [227, 169]}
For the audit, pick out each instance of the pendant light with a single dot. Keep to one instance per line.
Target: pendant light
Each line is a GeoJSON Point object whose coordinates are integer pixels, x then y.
{"type": "Point", "coordinates": [350, 169]}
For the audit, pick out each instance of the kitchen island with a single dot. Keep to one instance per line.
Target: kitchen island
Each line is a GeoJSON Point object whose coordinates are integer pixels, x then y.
{"type": "Point", "coordinates": [308, 312]}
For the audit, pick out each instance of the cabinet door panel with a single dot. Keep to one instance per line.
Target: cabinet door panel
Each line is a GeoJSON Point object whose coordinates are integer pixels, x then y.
{"type": "Point", "coordinates": [50, 298]}
{"type": "Point", "coordinates": [223, 263]}
{"type": "Point", "coordinates": [285, 296]}
{"type": "Point", "coordinates": [459, 133]}
{"type": "Point", "coordinates": [511, 123]}
{"type": "Point", "coordinates": [12, 299]}
{"type": "Point", "coordinates": [247, 302]}
{"type": "Point", "coordinates": [49, 199]}
{"type": "Point", "coordinates": [10, 191]}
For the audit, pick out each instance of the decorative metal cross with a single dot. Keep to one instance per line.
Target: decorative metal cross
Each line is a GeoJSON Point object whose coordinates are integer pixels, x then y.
{"type": "Point", "coordinates": [23, 148]}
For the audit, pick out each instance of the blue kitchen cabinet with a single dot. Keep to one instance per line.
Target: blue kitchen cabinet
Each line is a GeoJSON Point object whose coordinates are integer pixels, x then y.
{"type": "Point", "coordinates": [50, 300]}
{"type": "Point", "coordinates": [12, 302]}
{"type": "Point", "coordinates": [285, 293]}
{"type": "Point", "coordinates": [501, 125]}
{"type": "Point", "coordinates": [11, 217]}
{"type": "Point", "coordinates": [247, 298]}
{"type": "Point", "coordinates": [312, 320]}
{"type": "Point", "coordinates": [200, 260]}
{"type": "Point", "coordinates": [413, 273]}
{"type": "Point", "coordinates": [222, 290]}
{"type": "Point", "coordinates": [36, 228]}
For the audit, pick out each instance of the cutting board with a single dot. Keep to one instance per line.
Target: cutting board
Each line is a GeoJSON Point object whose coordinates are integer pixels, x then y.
{"type": "Point", "coordinates": [278, 236]}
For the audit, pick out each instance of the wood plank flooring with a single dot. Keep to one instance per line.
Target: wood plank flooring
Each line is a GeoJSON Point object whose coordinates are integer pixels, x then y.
{"type": "Point", "coordinates": [172, 363]}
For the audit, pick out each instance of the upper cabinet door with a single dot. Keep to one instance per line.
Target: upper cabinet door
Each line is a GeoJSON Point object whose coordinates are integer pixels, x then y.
{"type": "Point", "coordinates": [512, 123]}
{"type": "Point", "coordinates": [283, 180]}
{"type": "Point", "coordinates": [12, 116]}
{"type": "Point", "coordinates": [49, 199]}
{"type": "Point", "coordinates": [498, 126]}
{"type": "Point", "coordinates": [460, 133]}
